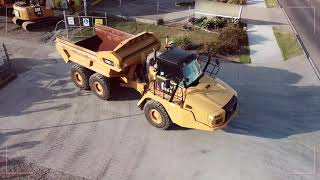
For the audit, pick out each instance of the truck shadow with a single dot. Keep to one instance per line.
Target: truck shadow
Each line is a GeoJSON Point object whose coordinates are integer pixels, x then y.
{"type": "Point", "coordinates": [273, 104]}
{"type": "Point", "coordinates": [122, 94]}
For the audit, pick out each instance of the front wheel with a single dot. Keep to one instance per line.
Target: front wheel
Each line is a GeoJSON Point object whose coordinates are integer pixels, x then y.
{"type": "Point", "coordinates": [157, 115]}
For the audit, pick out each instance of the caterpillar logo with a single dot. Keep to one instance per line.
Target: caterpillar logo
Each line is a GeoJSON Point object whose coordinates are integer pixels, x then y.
{"type": "Point", "coordinates": [38, 11]}
{"type": "Point", "coordinates": [109, 62]}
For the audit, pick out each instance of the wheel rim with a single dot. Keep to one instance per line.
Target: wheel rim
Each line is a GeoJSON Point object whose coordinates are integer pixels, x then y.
{"type": "Point", "coordinates": [78, 78]}
{"type": "Point", "coordinates": [98, 88]}
{"type": "Point", "coordinates": [155, 116]}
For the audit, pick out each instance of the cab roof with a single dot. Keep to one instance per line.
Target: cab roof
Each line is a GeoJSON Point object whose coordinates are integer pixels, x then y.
{"type": "Point", "coordinates": [176, 56]}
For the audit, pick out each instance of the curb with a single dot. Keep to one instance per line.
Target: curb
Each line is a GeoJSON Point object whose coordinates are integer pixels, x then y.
{"type": "Point", "coordinates": [306, 53]}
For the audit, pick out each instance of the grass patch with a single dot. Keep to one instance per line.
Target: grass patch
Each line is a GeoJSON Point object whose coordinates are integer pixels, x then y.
{"type": "Point", "coordinates": [288, 43]}
{"type": "Point", "coordinates": [197, 36]}
{"type": "Point", "coordinates": [245, 58]}
{"type": "Point", "coordinates": [271, 3]}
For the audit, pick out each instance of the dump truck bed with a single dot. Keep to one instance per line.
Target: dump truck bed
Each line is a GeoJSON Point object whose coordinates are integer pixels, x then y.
{"type": "Point", "coordinates": [109, 51]}
{"type": "Point", "coordinates": [107, 39]}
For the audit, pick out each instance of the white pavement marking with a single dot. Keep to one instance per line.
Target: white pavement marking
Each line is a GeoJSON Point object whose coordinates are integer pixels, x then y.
{"type": "Point", "coordinates": [263, 44]}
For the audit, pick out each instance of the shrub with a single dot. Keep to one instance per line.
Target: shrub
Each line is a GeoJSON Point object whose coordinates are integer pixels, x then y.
{"type": "Point", "coordinates": [182, 41]}
{"type": "Point", "coordinates": [230, 40]}
{"type": "Point", "coordinates": [214, 23]}
{"type": "Point", "coordinates": [241, 2]}
{"type": "Point", "coordinates": [160, 21]}
{"type": "Point", "coordinates": [192, 20]}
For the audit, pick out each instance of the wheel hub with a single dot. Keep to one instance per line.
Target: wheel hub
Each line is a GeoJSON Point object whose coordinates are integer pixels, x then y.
{"type": "Point", "coordinates": [98, 88]}
{"type": "Point", "coordinates": [78, 78]}
{"type": "Point", "coordinates": [155, 116]}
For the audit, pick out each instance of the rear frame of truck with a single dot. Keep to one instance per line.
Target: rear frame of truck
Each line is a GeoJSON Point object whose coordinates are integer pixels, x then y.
{"type": "Point", "coordinates": [111, 53]}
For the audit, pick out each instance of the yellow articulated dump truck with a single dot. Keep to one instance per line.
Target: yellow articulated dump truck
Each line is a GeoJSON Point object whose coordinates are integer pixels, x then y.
{"type": "Point", "coordinates": [173, 85]}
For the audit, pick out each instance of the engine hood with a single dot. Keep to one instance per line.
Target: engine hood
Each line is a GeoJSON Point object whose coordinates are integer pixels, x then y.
{"type": "Point", "coordinates": [210, 95]}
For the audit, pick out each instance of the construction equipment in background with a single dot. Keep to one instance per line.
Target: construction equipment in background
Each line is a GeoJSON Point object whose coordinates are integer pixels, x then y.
{"type": "Point", "coordinates": [75, 6]}
{"type": "Point", "coordinates": [173, 85]}
{"type": "Point", "coordinates": [6, 4]}
{"type": "Point", "coordinates": [32, 14]}
{"type": "Point", "coordinates": [6, 71]}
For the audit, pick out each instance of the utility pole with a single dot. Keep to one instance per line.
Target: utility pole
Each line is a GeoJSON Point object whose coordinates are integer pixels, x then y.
{"type": "Point", "coordinates": [85, 7]}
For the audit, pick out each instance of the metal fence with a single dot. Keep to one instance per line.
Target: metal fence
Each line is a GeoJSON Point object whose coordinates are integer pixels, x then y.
{"type": "Point", "coordinates": [82, 26]}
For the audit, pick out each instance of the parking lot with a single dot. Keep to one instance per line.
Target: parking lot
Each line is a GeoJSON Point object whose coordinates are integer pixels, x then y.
{"type": "Point", "coordinates": [44, 119]}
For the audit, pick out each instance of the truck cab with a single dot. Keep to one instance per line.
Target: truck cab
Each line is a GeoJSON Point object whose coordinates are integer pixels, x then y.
{"type": "Point", "coordinates": [187, 82]}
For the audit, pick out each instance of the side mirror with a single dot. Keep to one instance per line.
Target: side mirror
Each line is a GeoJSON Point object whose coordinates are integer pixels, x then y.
{"type": "Point", "coordinates": [152, 61]}
{"type": "Point", "coordinates": [167, 83]}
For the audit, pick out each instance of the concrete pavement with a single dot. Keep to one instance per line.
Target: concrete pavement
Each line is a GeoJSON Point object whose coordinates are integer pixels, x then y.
{"type": "Point", "coordinates": [46, 120]}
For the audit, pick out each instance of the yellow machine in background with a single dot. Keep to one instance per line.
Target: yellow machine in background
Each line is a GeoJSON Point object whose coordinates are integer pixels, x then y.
{"type": "Point", "coordinates": [173, 85]}
{"type": "Point", "coordinates": [7, 4]}
{"type": "Point", "coordinates": [33, 14]}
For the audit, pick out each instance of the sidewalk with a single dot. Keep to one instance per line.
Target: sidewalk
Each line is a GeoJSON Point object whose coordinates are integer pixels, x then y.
{"type": "Point", "coordinates": [263, 44]}
{"type": "Point", "coordinates": [260, 19]}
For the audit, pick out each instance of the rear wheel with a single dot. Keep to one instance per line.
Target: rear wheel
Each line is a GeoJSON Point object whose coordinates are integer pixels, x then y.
{"type": "Point", "coordinates": [80, 76]}
{"type": "Point", "coordinates": [157, 115]}
{"type": "Point", "coordinates": [100, 86]}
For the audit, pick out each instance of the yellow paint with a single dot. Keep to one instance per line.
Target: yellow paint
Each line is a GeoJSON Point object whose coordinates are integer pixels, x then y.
{"type": "Point", "coordinates": [98, 21]}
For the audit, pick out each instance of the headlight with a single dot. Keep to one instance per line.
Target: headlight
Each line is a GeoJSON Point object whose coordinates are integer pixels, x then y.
{"type": "Point", "coordinates": [16, 13]}
{"type": "Point", "coordinates": [216, 120]}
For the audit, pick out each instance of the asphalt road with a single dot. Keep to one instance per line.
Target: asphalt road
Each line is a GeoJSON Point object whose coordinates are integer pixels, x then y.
{"type": "Point", "coordinates": [46, 120]}
{"type": "Point", "coordinates": [305, 16]}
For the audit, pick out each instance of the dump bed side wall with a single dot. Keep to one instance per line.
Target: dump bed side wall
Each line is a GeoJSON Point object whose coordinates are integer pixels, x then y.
{"type": "Point", "coordinates": [89, 59]}
{"type": "Point", "coordinates": [136, 49]}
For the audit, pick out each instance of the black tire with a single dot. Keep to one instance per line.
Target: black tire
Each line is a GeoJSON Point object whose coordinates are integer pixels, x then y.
{"type": "Point", "coordinates": [165, 119]}
{"type": "Point", "coordinates": [100, 86]}
{"type": "Point", "coordinates": [80, 76]}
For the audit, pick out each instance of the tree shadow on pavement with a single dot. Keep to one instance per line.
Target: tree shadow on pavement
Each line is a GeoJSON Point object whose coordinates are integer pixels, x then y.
{"type": "Point", "coordinates": [273, 105]}
{"type": "Point", "coordinates": [261, 22]}
{"type": "Point", "coordinates": [255, 39]}
{"type": "Point", "coordinates": [23, 145]}
{"type": "Point", "coordinates": [40, 82]}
